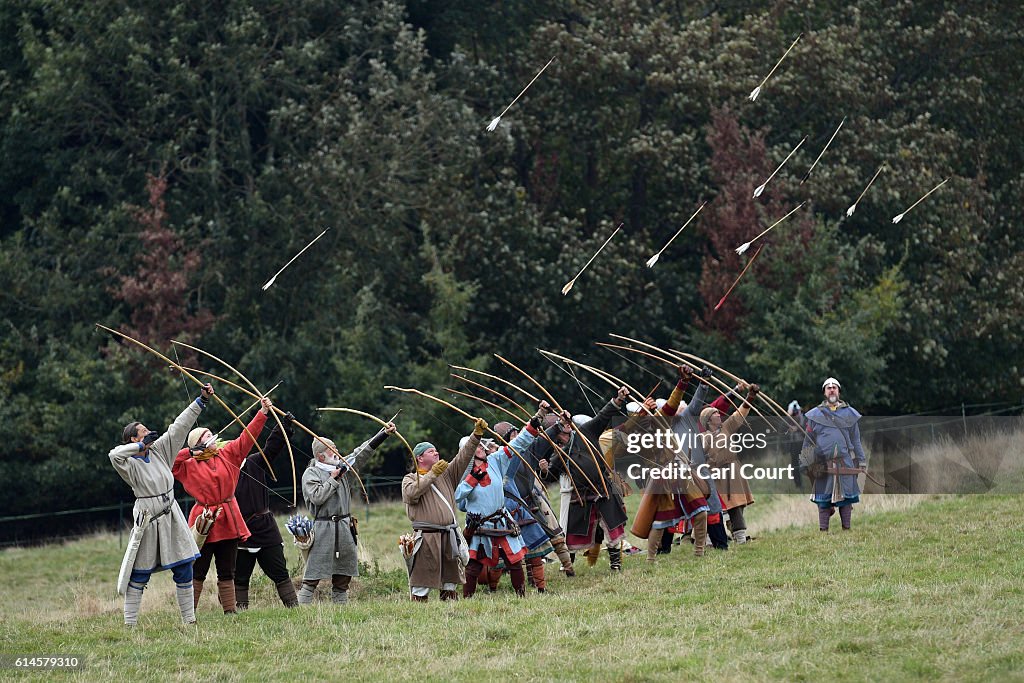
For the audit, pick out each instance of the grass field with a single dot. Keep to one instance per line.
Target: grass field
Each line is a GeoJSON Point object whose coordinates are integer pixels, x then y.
{"type": "Point", "coordinates": [922, 588]}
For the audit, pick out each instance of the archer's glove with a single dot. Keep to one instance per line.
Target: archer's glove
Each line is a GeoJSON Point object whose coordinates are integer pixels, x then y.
{"type": "Point", "coordinates": [439, 467]}
{"type": "Point", "coordinates": [480, 427]}
{"type": "Point", "coordinates": [149, 438]}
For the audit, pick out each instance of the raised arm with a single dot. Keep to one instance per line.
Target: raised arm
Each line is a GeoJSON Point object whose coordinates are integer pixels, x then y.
{"type": "Point", "coordinates": [465, 454]}
{"type": "Point", "coordinates": [523, 439]}
{"type": "Point", "coordinates": [413, 487]}
{"type": "Point", "coordinates": [675, 399]}
{"type": "Point", "coordinates": [119, 457]}
{"type": "Point", "coordinates": [275, 443]}
{"type": "Point", "coordinates": [731, 425]}
{"type": "Point", "coordinates": [696, 403]}
{"type": "Point", "coordinates": [592, 428]}
{"type": "Point", "coordinates": [166, 447]}
{"type": "Point", "coordinates": [236, 450]}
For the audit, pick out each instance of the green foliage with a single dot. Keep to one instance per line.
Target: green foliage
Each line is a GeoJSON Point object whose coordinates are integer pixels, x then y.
{"type": "Point", "coordinates": [270, 123]}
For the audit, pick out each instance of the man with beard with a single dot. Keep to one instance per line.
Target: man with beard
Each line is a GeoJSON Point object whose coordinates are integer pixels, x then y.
{"type": "Point", "coordinates": [832, 447]}
{"type": "Point", "coordinates": [429, 497]}
{"type": "Point", "coordinates": [326, 487]}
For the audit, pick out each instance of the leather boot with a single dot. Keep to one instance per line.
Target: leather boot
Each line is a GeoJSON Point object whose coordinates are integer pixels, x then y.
{"type": "Point", "coordinates": [305, 595]}
{"type": "Point", "coordinates": [558, 543]}
{"type": "Point", "coordinates": [197, 590]}
{"type": "Point", "coordinates": [615, 559]}
{"type": "Point", "coordinates": [241, 598]}
{"type": "Point", "coordinates": [419, 598]}
{"type": "Point", "coordinates": [449, 595]}
{"type": "Point", "coordinates": [654, 543]}
{"type": "Point", "coordinates": [700, 533]}
{"type": "Point", "coordinates": [286, 591]}
{"type": "Point", "coordinates": [226, 596]}
{"type": "Point", "coordinates": [592, 553]}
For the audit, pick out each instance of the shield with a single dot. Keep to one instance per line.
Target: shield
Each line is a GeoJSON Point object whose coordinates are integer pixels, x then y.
{"type": "Point", "coordinates": [134, 541]}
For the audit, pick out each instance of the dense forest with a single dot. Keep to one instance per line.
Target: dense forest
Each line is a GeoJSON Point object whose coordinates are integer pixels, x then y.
{"type": "Point", "coordinates": [160, 161]}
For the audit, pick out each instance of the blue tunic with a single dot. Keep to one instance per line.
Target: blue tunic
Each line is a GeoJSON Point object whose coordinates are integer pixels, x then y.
{"type": "Point", "coordinates": [486, 500]}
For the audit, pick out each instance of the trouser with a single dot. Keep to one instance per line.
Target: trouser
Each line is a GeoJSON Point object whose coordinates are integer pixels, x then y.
{"type": "Point", "coordinates": [563, 554]}
{"type": "Point", "coordinates": [272, 561]}
{"type": "Point", "coordinates": [339, 589]}
{"type": "Point", "coordinates": [475, 568]}
{"type": "Point", "coordinates": [223, 553]}
{"type": "Point", "coordinates": [490, 576]}
{"type": "Point", "coordinates": [717, 536]}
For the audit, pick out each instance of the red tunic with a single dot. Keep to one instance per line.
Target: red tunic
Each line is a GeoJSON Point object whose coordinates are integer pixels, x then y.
{"type": "Point", "coordinates": [212, 482]}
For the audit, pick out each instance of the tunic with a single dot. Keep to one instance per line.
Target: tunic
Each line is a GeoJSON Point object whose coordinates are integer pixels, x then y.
{"type": "Point", "coordinates": [212, 482]}
{"type": "Point", "coordinates": [167, 541]}
{"type": "Point", "coordinates": [535, 494]}
{"type": "Point", "coordinates": [334, 545]}
{"type": "Point", "coordinates": [733, 488]}
{"type": "Point", "coordinates": [487, 499]}
{"type": "Point", "coordinates": [433, 565]}
{"type": "Point", "coordinates": [533, 534]}
{"type": "Point", "coordinates": [671, 499]}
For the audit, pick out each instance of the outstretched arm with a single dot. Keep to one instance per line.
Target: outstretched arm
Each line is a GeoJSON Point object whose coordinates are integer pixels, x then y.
{"type": "Point", "coordinates": [458, 466]}
{"type": "Point", "coordinates": [235, 451]}
{"type": "Point", "coordinates": [675, 399]}
{"type": "Point", "coordinates": [696, 403]}
{"type": "Point", "coordinates": [731, 425]}
{"type": "Point", "coordinates": [166, 447]}
{"type": "Point", "coordinates": [592, 428]}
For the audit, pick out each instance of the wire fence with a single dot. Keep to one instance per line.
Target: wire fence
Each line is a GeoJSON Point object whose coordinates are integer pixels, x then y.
{"type": "Point", "coordinates": [64, 525]}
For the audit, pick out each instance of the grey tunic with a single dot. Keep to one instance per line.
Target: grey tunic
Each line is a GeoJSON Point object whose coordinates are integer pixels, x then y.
{"type": "Point", "coordinates": [334, 549]}
{"type": "Point", "coordinates": [167, 541]}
